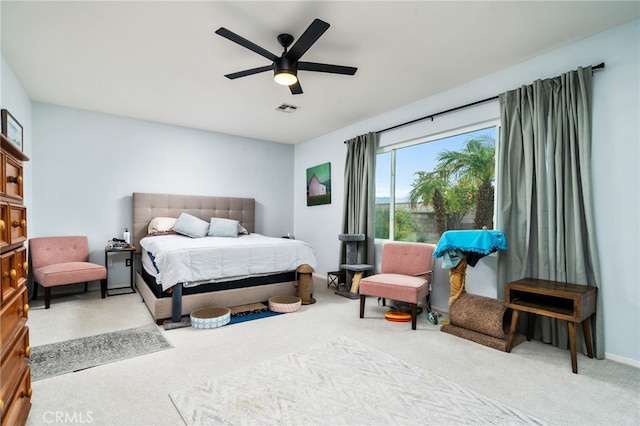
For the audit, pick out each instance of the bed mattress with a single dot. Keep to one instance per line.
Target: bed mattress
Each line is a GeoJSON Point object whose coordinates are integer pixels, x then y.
{"type": "Point", "coordinates": [173, 259]}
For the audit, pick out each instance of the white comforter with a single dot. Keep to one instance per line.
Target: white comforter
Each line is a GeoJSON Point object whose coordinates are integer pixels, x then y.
{"type": "Point", "coordinates": [193, 261]}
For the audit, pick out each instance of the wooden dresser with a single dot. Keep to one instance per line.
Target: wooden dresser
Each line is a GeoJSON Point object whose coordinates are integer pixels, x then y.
{"type": "Point", "coordinates": [15, 373]}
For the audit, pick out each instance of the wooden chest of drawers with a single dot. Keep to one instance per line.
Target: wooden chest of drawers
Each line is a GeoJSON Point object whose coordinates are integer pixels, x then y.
{"type": "Point", "coordinates": [15, 373]}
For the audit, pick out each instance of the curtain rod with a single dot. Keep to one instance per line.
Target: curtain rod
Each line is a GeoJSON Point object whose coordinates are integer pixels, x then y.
{"type": "Point", "coordinates": [431, 116]}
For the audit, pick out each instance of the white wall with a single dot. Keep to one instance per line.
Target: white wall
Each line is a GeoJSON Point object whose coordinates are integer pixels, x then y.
{"type": "Point", "coordinates": [86, 166]}
{"type": "Point", "coordinates": [615, 171]}
{"type": "Point", "coordinates": [15, 99]}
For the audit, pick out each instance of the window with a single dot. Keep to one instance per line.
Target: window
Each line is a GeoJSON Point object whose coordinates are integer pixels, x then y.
{"type": "Point", "coordinates": [437, 184]}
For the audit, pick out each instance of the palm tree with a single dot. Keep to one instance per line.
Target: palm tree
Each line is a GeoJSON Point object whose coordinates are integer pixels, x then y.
{"type": "Point", "coordinates": [475, 164]}
{"type": "Point", "coordinates": [461, 180]}
{"type": "Point", "coordinates": [440, 209]}
{"type": "Point", "coordinates": [450, 200]}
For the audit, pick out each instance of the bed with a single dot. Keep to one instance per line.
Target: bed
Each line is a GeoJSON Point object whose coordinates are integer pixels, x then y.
{"type": "Point", "coordinates": [173, 300]}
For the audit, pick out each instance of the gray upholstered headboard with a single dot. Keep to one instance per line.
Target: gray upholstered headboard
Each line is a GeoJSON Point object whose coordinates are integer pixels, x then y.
{"type": "Point", "coordinates": [146, 206]}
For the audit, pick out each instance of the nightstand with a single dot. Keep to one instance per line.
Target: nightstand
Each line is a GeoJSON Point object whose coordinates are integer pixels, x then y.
{"type": "Point", "coordinates": [573, 303]}
{"type": "Point", "coordinates": [109, 250]}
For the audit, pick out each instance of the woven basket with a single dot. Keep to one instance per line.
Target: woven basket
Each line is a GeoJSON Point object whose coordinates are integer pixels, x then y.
{"type": "Point", "coordinates": [284, 303]}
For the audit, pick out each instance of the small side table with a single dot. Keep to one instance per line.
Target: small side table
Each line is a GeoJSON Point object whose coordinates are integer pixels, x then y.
{"type": "Point", "coordinates": [352, 281]}
{"type": "Point", "coordinates": [335, 278]}
{"type": "Point", "coordinates": [131, 250]}
{"type": "Point", "coordinates": [570, 302]}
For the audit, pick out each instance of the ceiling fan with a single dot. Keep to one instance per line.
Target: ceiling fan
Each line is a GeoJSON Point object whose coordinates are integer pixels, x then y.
{"type": "Point", "coordinates": [286, 66]}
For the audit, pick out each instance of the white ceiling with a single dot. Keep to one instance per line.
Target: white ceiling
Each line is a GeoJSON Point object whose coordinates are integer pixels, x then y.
{"type": "Point", "coordinates": [161, 61]}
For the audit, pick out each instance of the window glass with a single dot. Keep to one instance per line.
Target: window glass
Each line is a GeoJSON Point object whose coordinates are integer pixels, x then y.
{"type": "Point", "coordinates": [383, 195]}
{"type": "Point", "coordinates": [431, 187]}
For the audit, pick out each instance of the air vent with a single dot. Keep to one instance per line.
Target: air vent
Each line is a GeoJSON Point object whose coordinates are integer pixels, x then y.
{"type": "Point", "coordinates": [287, 108]}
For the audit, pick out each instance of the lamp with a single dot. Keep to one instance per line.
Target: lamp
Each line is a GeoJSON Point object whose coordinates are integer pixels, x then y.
{"type": "Point", "coordinates": [285, 78]}
{"type": "Point", "coordinates": [284, 72]}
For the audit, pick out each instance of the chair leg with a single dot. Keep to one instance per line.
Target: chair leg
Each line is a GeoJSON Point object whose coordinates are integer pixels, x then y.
{"type": "Point", "coordinates": [103, 288]}
{"type": "Point", "coordinates": [362, 299]}
{"type": "Point", "coordinates": [414, 315]}
{"type": "Point", "coordinates": [35, 290]}
{"type": "Point", "coordinates": [47, 297]}
{"type": "Point", "coordinates": [86, 286]}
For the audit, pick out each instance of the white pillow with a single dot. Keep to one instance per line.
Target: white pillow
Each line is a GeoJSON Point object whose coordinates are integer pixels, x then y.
{"type": "Point", "coordinates": [191, 226]}
{"type": "Point", "coordinates": [242, 230]}
{"type": "Point", "coordinates": [219, 227]}
{"type": "Point", "coordinates": [161, 224]}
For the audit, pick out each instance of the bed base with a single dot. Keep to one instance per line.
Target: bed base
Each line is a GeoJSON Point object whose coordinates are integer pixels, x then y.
{"type": "Point", "coordinates": [175, 307]}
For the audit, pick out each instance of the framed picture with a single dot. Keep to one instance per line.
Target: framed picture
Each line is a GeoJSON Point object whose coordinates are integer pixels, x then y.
{"type": "Point", "coordinates": [319, 185]}
{"type": "Point", "coordinates": [11, 128]}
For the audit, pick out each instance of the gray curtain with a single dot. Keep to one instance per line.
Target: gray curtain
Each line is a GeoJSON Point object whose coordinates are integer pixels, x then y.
{"type": "Point", "coordinates": [359, 198]}
{"type": "Point", "coordinates": [544, 194]}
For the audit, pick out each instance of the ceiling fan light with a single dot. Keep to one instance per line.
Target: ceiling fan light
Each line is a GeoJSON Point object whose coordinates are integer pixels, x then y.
{"type": "Point", "coordinates": [285, 78]}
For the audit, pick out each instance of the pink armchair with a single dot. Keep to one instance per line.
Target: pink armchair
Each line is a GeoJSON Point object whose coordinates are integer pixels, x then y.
{"type": "Point", "coordinates": [403, 275]}
{"type": "Point", "coordinates": [59, 261]}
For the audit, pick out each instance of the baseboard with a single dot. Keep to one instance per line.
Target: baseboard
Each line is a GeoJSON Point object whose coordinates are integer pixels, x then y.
{"type": "Point", "coordinates": [439, 309]}
{"type": "Point", "coordinates": [622, 360]}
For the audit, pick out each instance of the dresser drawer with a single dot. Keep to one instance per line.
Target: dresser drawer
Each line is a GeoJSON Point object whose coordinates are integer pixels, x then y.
{"type": "Point", "coordinates": [3, 183]}
{"type": "Point", "coordinates": [14, 358]}
{"type": "Point", "coordinates": [18, 224]}
{"type": "Point", "coordinates": [13, 272]}
{"type": "Point", "coordinates": [16, 410]}
{"type": "Point", "coordinates": [20, 264]}
{"type": "Point", "coordinates": [14, 314]}
{"type": "Point", "coordinates": [13, 187]}
{"type": "Point", "coordinates": [4, 225]}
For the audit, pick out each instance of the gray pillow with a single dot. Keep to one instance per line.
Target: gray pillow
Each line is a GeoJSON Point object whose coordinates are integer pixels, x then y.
{"type": "Point", "coordinates": [219, 227]}
{"type": "Point", "coordinates": [191, 226]}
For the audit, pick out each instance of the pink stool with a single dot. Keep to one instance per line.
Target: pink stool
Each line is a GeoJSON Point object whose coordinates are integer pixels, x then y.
{"type": "Point", "coordinates": [404, 274]}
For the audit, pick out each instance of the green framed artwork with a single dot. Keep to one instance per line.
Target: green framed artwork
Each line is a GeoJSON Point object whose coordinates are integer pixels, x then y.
{"type": "Point", "coordinates": [319, 185]}
{"type": "Point", "coordinates": [11, 129]}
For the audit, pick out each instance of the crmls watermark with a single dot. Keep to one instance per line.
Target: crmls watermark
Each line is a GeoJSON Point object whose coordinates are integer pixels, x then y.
{"type": "Point", "coordinates": [66, 417]}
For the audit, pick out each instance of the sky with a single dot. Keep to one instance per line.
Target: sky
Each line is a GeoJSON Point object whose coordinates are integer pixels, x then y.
{"type": "Point", "coordinates": [422, 157]}
{"type": "Point", "coordinates": [322, 171]}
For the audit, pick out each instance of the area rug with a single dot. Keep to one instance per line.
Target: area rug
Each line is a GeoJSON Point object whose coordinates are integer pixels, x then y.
{"type": "Point", "coordinates": [241, 313]}
{"type": "Point", "coordinates": [339, 382]}
{"type": "Point", "coordinates": [79, 354]}
{"type": "Point", "coordinates": [250, 312]}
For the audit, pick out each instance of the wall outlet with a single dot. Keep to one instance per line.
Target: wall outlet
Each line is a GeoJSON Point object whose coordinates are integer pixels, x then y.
{"type": "Point", "coordinates": [128, 262]}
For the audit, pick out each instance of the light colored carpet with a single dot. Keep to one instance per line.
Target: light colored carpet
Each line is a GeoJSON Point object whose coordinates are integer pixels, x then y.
{"type": "Point", "coordinates": [339, 382]}
{"type": "Point", "coordinates": [535, 377]}
{"type": "Point", "coordinates": [73, 355]}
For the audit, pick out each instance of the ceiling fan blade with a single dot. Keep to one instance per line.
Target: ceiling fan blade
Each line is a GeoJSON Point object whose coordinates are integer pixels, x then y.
{"type": "Point", "coordinates": [249, 72]}
{"type": "Point", "coordinates": [222, 31]}
{"type": "Point", "coordinates": [306, 40]}
{"type": "Point", "coordinates": [334, 69]}
{"type": "Point", "coordinates": [295, 88]}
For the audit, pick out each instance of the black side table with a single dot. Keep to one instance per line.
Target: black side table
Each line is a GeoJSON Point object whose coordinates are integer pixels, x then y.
{"type": "Point", "coordinates": [131, 250]}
